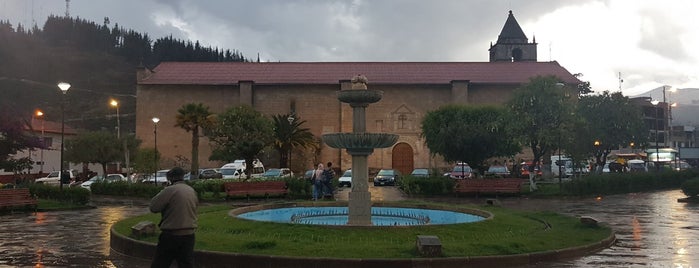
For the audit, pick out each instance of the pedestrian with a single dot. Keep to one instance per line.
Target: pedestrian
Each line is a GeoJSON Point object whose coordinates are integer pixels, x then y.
{"type": "Point", "coordinates": [328, 176]}
{"type": "Point", "coordinates": [317, 182]}
{"type": "Point", "coordinates": [177, 205]}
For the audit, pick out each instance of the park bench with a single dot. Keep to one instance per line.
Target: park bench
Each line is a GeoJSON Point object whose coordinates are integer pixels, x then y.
{"type": "Point", "coordinates": [488, 186]}
{"type": "Point", "coordinates": [255, 188]}
{"type": "Point", "coordinates": [18, 197]}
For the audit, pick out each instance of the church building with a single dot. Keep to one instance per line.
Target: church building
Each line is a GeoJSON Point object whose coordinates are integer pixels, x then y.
{"type": "Point", "coordinates": [308, 91]}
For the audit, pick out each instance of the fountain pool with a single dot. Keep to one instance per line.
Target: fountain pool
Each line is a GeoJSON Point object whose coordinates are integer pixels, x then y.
{"type": "Point", "coordinates": [381, 216]}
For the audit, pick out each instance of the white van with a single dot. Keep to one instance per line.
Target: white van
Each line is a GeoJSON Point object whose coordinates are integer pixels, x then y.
{"type": "Point", "coordinates": [237, 169]}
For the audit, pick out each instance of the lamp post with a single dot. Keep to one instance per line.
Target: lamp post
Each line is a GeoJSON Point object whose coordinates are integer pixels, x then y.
{"type": "Point", "coordinates": [115, 104]}
{"type": "Point", "coordinates": [64, 89]}
{"type": "Point", "coordinates": [657, 150]}
{"type": "Point", "coordinates": [40, 114]}
{"type": "Point", "coordinates": [291, 121]}
{"type": "Point", "coordinates": [560, 122]}
{"type": "Point", "coordinates": [155, 145]}
{"type": "Point", "coordinates": [598, 159]}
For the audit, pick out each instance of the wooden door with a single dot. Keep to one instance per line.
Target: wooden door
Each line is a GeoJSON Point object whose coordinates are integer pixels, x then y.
{"type": "Point", "coordinates": [402, 158]}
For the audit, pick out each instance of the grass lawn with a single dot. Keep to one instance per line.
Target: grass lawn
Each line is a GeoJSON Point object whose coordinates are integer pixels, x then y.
{"type": "Point", "coordinates": [508, 232]}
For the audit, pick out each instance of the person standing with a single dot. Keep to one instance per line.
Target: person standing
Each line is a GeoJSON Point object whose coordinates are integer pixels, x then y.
{"type": "Point", "coordinates": [328, 176]}
{"type": "Point", "coordinates": [318, 182]}
{"type": "Point", "coordinates": [177, 205]}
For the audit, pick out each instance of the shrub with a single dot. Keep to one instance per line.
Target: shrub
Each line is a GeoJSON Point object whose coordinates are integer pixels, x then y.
{"type": "Point", "coordinates": [618, 183]}
{"type": "Point", "coordinates": [691, 187]}
{"type": "Point", "coordinates": [123, 188]}
{"type": "Point", "coordinates": [300, 188]}
{"type": "Point", "coordinates": [434, 185]}
{"type": "Point", "coordinates": [75, 195]}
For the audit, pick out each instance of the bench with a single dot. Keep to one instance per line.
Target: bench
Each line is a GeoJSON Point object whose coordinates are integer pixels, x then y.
{"type": "Point", "coordinates": [488, 186]}
{"type": "Point", "coordinates": [18, 197]}
{"type": "Point", "coordinates": [252, 188]}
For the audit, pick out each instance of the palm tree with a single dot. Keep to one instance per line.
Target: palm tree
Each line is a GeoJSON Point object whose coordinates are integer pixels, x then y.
{"type": "Point", "coordinates": [288, 134]}
{"type": "Point", "coordinates": [192, 117]}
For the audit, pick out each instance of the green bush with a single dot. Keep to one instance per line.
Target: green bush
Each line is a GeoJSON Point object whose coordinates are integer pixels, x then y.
{"type": "Point", "coordinates": [691, 187]}
{"type": "Point", "coordinates": [435, 185]}
{"type": "Point", "coordinates": [75, 195]}
{"type": "Point", "coordinates": [123, 188]}
{"type": "Point", "coordinates": [300, 188]}
{"type": "Point", "coordinates": [617, 183]}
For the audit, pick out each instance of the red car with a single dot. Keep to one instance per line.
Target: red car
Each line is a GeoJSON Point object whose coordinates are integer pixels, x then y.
{"type": "Point", "coordinates": [524, 171]}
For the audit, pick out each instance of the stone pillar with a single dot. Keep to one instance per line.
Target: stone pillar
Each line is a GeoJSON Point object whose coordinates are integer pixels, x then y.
{"type": "Point", "coordinates": [359, 209]}
{"type": "Point", "coordinates": [459, 91]}
{"type": "Point", "coordinates": [245, 91]}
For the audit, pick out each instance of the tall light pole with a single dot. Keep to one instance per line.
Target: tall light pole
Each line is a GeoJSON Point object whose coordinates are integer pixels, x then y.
{"type": "Point", "coordinates": [291, 121]}
{"type": "Point", "coordinates": [64, 89]}
{"type": "Point", "coordinates": [40, 114]}
{"type": "Point", "coordinates": [155, 145]}
{"type": "Point", "coordinates": [115, 104]}
{"type": "Point", "coordinates": [657, 150]}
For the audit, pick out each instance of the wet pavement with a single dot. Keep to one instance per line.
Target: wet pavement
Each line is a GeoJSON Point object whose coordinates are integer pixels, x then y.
{"type": "Point", "coordinates": [652, 230]}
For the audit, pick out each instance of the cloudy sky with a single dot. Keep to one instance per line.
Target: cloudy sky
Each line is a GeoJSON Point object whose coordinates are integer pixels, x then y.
{"type": "Point", "coordinates": [650, 42]}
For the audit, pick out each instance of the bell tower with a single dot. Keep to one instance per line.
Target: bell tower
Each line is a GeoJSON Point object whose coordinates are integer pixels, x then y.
{"type": "Point", "coordinates": [512, 44]}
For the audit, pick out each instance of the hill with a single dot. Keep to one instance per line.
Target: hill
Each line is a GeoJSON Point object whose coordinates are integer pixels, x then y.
{"type": "Point", "coordinates": [98, 61]}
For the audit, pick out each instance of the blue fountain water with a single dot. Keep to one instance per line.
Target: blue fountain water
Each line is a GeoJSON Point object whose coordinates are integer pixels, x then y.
{"type": "Point", "coordinates": [381, 216]}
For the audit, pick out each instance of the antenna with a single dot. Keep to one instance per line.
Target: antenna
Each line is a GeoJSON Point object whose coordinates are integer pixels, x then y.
{"type": "Point", "coordinates": [67, 8]}
{"type": "Point", "coordinates": [550, 44]}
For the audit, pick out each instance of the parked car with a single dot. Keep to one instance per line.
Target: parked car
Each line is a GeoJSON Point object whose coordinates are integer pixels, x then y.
{"type": "Point", "coordinates": [308, 174]}
{"type": "Point", "coordinates": [636, 165]}
{"type": "Point", "coordinates": [345, 179]}
{"type": "Point", "coordinates": [231, 173]}
{"type": "Point", "coordinates": [524, 171]}
{"type": "Point", "coordinates": [54, 178]}
{"type": "Point", "coordinates": [99, 178]}
{"type": "Point", "coordinates": [277, 173]}
{"type": "Point", "coordinates": [210, 173]}
{"type": "Point", "coordinates": [160, 178]}
{"type": "Point", "coordinates": [497, 171]}
{"type": "Point", "coordinates": [387, 177]}
{"type": "Point", "coordinates": [421, 173]}
{"type": "Point", "coordinates": [257, 168]}
{"type": "Point", "coordinates": [461, 171]}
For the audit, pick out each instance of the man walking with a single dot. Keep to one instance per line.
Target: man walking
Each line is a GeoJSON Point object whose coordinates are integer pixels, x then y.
{"type": "Point", "coordinates": [328, 176]}
{"type": "Point", "coordinates": [177, 204]}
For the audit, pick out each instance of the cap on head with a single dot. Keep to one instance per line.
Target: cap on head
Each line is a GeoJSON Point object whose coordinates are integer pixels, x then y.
{"type": "Point", "coordinates": [175, 174]}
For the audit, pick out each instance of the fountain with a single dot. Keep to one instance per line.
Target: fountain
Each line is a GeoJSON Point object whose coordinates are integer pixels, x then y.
{"type": "Point", "coordinates": [359, 145]}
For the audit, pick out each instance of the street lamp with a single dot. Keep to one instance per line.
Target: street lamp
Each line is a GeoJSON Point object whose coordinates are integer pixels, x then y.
{"type": "Point", "coordinates": [291, 121]}
{"type": "Point", "coordinates": [64, 89]}
{"type": "Point", "coordinates": [155, 145]}
{"type": "Point", "coordinates": [115, 104]}
{"type": "Point", "coordinates": [40, 114]}
{"type": "Point", "coordinates": [657, 150]}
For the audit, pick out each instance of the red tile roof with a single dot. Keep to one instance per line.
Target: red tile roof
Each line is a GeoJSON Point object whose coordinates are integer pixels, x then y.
{"type": "Point", "coordinates": [229, 73]}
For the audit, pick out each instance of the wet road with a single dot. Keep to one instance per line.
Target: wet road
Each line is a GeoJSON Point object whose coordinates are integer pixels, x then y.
{"type": "Point", "coordinates": [653, 230]}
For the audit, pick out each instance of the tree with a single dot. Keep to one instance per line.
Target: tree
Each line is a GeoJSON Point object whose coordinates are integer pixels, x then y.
{"type": "Point", "coordinates": [288, 135]}
{"type": "Point", "coordinates": [612, 121]}
{"type": "Point", "coordinates": [98, 147]}
{"type": "Point", "coordinates": [240, 132]}
{"type": "Point", "coordinates": [192, 117]}
{"type": "Point", "coordinates": [538, 113]}
{"type": "Point", "coordinates": [468, 134]}
{"type": "Point", "coordinates": [13, 139]}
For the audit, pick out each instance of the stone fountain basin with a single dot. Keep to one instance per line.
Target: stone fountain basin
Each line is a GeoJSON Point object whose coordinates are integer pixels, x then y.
{"type": "Point", "coordinates": [353, 141]}
{"type": "Point", "coordinates": [359, 95]}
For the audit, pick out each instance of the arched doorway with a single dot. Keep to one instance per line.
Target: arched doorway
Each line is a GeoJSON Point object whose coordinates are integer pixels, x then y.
{"type": "Point", "coordinates": [402, 158]}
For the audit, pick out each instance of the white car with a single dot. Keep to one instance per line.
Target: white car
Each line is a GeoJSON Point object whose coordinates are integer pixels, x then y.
{"type": "Point", "coordinates": [346, 179]}
{"type": "Point", "coordinates": [278, 173]}
{"type": "Point", "coordinates": [100, 178]}
{"type": "Point", "coordinates": [160, 178]}
{"type": "Point", "coordinates": [54, 178]}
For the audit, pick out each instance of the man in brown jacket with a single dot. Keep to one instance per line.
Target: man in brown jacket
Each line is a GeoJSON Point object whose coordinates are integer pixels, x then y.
{"type": "Point", "coordinates": [177, 205]}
